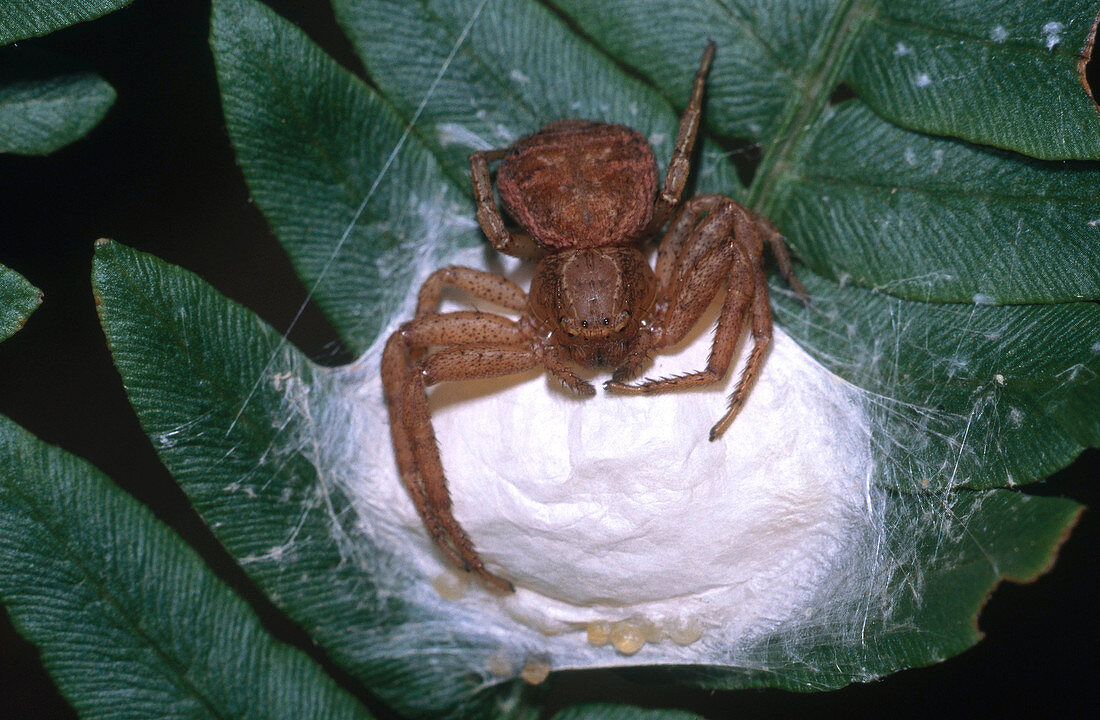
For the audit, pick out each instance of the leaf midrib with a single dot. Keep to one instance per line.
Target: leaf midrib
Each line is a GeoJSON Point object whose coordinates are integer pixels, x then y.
{"type": "Point", "coordinates": [805, 106]}
{"type": "Point", "coordinates": [941, 191]}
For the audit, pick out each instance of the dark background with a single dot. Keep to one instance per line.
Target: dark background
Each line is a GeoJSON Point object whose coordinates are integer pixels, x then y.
{"type": "Point", "coordinates": [159, 175]}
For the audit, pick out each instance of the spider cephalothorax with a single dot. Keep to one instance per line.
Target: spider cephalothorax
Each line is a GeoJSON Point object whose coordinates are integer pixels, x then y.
{"type": "Point", "coordinates": [585, 196]}
{"type": "Point", "coordinates": [594, 301]}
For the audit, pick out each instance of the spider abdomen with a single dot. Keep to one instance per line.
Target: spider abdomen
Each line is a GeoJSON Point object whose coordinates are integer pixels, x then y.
{"type": "Point", "coordinates": [580, 184]}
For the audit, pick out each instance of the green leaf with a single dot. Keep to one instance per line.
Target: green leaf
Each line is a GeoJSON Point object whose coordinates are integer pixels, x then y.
{"type": "Point", "coordinates": [1013, 64]}
{"type": "Point", "coordinates": [129, 621]}
{"type": "Point", "coordinates": [349, 196]}
{"type": "Point", "coordinates": [47, 103]}
{"type": "Point", "coordinates": [18, 299]}
{"type": "Point", "coordinates": [960, 394]}
{"type": "Point", "coordinates": [766, 52]}
{"type": "Point", "coordinates": [22, 19]}
{"type": "Point", "coordinates": [599, 711]}
{"type": "Point", "coordinates": [236, 414]}
{"type": "Point", "coordinates": [937, 219]}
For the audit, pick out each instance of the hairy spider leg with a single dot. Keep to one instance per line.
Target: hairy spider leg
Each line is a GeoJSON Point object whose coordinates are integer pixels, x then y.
{"type": "Point", "coordinates": [761, 340]}
{"type": "Point", "coordinates": [679, 165]}
{"type": "Point", "coordinates": [518, 245]}
{"type": "Point", "coordinates": [782, 255]}
{"type": "Point", "coordinates": [506, 294]}
{"type": "Point", "coordinates": [487, 286]}
{"type": "Point", "coordinates": [557, 365]}
{"type": "Point", "coordinates": [500, 347]}
{"type": "Point", "coordinates": [693, 260]}
{"type": "Point", "coordinates": [396, 376]}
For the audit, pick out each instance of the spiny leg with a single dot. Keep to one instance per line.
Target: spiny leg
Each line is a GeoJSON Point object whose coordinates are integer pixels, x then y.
{"type": "Point", "coordinates": [415, 446]}
{"type": "Point", "coordinates": [690, 271]}
{"type": "Point", "coordinates": [680, 230]}
{"type": "Point", "coordinates": [689, 284]}
{"type": "Point", "coordinates": [689, 274]}
{"type": "Point", "coordinates": [465, 327]}
{"type": "Point", "coordinates": [680, 305]}
{"type": "Point", "coordinates": [488, 214]}
{"type": "Point", "coordinates": [486, 286]}
{"type": "Point", "coordinates": [674, 253]}
{"type": "Point", "coordinates": [684, 312]}
{"type": "Point", "coordinates": [396, 377]}
{"type": "Point", "coordinates": [455, 363]}
{"type": "Point", "coordinates": [475, 362]}
{"type": "Point", "coordinates": [782, 255]}
{"type": "Point", "coordinates": [632, 364]}
{"type": "Point", "coordinates": [679, 166]}
{"type": "Point", "coordinates": [761, 340]}
{"type": "Point", "coordinates": [557, 366]}
{"type": "Point", "coordinates": [688, 238]}
{"type": "Point", "coordinates": [432, 487]}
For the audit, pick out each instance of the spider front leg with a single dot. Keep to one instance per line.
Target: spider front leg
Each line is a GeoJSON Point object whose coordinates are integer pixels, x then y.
{"type": "Point", "coordinates": [479, 345]}
{"type": "Point", "coordinates": [631, 365]}
{"type": "Point", "coordinates": [478, 283]}
{"type": "Point", "coordinates": [761, 327]}
{"type": "Point", "coordinates": [557, 366]}
{"type": "Point", "coordinates": [695, 259]}
{"type": "Point", "coordinates": [679, 165]}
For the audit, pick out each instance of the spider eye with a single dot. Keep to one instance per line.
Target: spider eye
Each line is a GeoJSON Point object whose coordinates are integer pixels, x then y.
{"type": "Point", "coordinates": [606, 321]}
{"type": "Point", "coordinates": [623, 320]}
{"type": "Point", "coordinates": [567, 326]}
{"type": "Point", "coordinates": [584, 323]}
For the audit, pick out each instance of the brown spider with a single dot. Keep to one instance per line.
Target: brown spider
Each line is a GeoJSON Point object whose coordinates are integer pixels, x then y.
{"type": "Point", "coordinates": [585, 195]}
